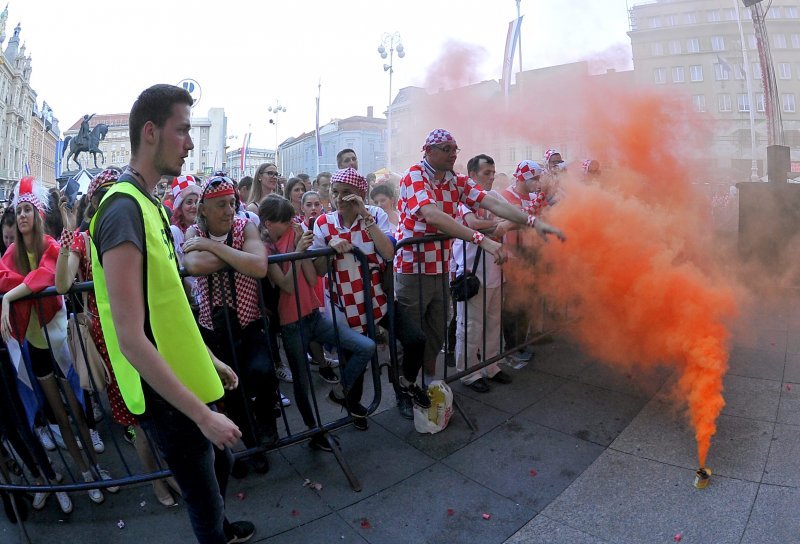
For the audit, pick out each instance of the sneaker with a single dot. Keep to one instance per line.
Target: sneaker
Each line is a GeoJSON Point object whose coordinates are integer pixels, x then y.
{"type": "Point", "coordinates": [105, 475]}
{"type": "Point", "coordinates": [328, 374]}
{"type": "Point", "coordinates": [319, 443]}
{"type": "Point", "coordinates": [417, 395]}
{"type": "Point", "coordinates": [44, 438]}
{"type": "Point", "coordinates": [523, 355]}
{"type": "Point", "coordinates": [94, 494]}
{"type": "Point", "coordinates": [63, 502]}
{"type": "Point", "coordinates": [284, 374]}
{"type": "Point", "coordinates": [479, 386]}
{"type": "Point", "coordinates": [240, 531]}
{"type": "Point", "coordinates": [501, 377]}
{"type": "Point", "coordinates": [285, 401]}
{"type": "Point", "coordinates": [330, 360]}
{"type": "Point", "coordinates": [56, 436]}
{"type": "Point", "coordinates": [40, 499]}
{"type": "Point", "coordinates": [515, 363]}
{"type": "Point", "coordinates": [405, 406]}
{"type": "Point", "coordinates": [130, 435]}
{"type": "Point", "coordinates": [97, 442]}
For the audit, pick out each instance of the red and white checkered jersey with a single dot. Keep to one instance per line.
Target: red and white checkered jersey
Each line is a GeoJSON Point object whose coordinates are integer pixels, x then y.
{"type": "Point", "coordinates": [246, 287]}
{"type": "Point", "coordinates": [348, 291]}
{"type": "Point", "coordinates": [417, 189]}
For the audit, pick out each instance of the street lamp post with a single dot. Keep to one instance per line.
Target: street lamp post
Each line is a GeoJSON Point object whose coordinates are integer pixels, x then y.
{"type": "Point", "coordinates": [392, 42]}
{"type": "Point", "coordinates": [275, 110]}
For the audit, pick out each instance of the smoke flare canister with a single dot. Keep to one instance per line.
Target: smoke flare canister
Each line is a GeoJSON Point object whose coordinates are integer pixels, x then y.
{"type": "Point", "coordinates": [702, 477]}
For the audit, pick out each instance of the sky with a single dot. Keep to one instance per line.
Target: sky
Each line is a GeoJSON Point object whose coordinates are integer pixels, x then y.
{"type": "Point", "coordinates": [95, 56]}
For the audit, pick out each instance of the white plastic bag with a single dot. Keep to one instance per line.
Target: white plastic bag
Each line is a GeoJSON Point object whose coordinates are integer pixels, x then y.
{"type": "Point", "coordinates": [435, 418]}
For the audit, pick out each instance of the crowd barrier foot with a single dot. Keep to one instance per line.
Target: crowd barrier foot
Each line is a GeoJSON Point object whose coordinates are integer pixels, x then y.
{"type": "Point", "coordinates": [461, 411]}
{"type": "Point", "coordinates": [343, 464]}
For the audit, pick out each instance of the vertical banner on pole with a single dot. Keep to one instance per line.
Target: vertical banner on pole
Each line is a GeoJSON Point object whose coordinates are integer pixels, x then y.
{"type": "Point", "coordinates": [512, 38]}
{"type": "Point", "coordinates": [243, 158]}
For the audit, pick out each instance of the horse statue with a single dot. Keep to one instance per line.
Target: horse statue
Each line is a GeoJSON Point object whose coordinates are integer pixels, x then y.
{"type": "Point", "coordinates": [77, 147]}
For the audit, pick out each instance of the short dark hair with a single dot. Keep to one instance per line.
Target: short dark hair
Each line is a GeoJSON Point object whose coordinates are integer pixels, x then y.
{"type": "Point", "coordinates": [342, 152]}
{"type": "Point", "coordinates": [305, 177]}
{"type": "Point", "coordinates": [475, 162]}
{"type": "Point", "coordinates": [246, 181]}
{"type": "Point", "coordinates": [381, 190]}
{"type": "Point", "coordinates": [154, 104]}
{"type": "Point", "coordinates": [320, 176]}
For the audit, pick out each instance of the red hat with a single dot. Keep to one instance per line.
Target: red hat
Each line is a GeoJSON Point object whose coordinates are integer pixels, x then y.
{"type": "Point", "coordinates": [103, 180]}
{"type": "Point", "coordinates": [218, 186]}
{"type": "Point", "coordinates": [29, 190]}
{"type": "Point", "coordinates": [350, 176]}
{"type": "Point", "coordinates": [183, 186]}
{"type": "Point", "coordinates": [527, 170]}
{"type": "Point", "coordinates": [437, 136]}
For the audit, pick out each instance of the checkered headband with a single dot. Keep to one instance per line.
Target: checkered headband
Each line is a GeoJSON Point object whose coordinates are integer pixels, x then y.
{"type": "Point", "coordinates": [103, 180]}
{"type": "Point", "coordinates": [351, 177]}
{"type": "Point", "coordinates": [29, 190]}
{"type": "Point", "coordinates": [218, 186]}
{"type": "Point", "coordinates": [183, 186]}
{"type": "Point", "coordinates": [527, 170]}
{"type": "Point", "coordinates": [437, 136]}
{"type": "Point", "coordinates": [549, 153]}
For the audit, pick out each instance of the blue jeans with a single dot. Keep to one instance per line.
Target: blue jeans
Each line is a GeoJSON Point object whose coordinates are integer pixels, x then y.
{"type": "Point", "coordinates": [315, 326]}
{"type": "Point", "coordinates": [199, 468]}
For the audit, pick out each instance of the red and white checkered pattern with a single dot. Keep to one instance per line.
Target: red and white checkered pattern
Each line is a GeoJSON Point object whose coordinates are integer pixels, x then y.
{"type": "Point", "coordinates": [103, 180]}
{"type": "Point", "coordinates": [350, 176]}
{"type": "Point", "coordinates": [246, 287]}
{"type": "Point", "coordinates": [418, 189]}
{"type": "Point", "coordinates": [348, 289]}
{"type": "Point", "coordinates": [528, 170]}
{"type": "Point", "coordinates": [538, 202]}
{"type": "Point", "coordinates": [549, 153]}
{"type": "Point", "coordinates": [437, 136]}
{"type": "Point", "coordinates": [183, 186]}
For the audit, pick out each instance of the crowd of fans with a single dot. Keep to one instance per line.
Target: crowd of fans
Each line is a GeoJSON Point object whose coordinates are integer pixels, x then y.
{"type": "Point", "coordinates": [272, 322]}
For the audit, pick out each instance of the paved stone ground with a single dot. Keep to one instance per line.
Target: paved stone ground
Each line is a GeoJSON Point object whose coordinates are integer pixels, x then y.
{"type": "Point", "coordinates": [571, 452]}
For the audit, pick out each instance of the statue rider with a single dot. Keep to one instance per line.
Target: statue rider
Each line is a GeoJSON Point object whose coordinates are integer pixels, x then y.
{"type": "Point", "coordinates": [84, 132]}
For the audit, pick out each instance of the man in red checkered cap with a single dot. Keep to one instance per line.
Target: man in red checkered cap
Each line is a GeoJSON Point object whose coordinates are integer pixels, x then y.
{"type": "Point", "coordinates": [429, 196]}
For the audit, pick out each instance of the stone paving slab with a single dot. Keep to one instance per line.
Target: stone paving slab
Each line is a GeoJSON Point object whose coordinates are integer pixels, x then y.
{"type": "Point", "coordinates": [774, 519]}
{"type": "Point", "coordinates": [623, 498]}
{"type": "Point", "coordinates": [543, 530]}
{"type": "Point", "coordinates": [586, 412]}
{"type": "Point", "coordinates": [503, 461]}
{"type": "Point", "coordinates": [528, 387]}
{"type": "Point", "coordinates": [661, 433]}
{"type": "Point", "coordinates": [755, 363]}
{"type": "Point", "coordinates": [331, 528]}
{"type": "Point", "coordinates": [751, 398]}
{"type": "Point", "coordinates": [437, 505]}
{"type": "Point", "coordinates": [781, 468]}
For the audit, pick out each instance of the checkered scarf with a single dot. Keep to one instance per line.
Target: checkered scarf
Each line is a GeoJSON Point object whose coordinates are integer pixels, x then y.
{"type": "Point", "coordinates": [437, 136]}
{"type": "Point", "coordinates": [103, 180]}
{"type": "Point", "coordinates": [29, 190]}
{"type": "Point", "coordinates": [183, 186]}
{"type": "Point", "coordinates": [351, 177]}
{"type": "Point", "coordinates": [218, 186]}
{"type": "Point", "coordinates": [527, 170]}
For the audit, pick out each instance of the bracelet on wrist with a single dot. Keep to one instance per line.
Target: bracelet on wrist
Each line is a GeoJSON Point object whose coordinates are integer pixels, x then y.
{"type": "Point", "coordinates": [369, 221]}
{"type": "Point", "coordinates": [477, 238]}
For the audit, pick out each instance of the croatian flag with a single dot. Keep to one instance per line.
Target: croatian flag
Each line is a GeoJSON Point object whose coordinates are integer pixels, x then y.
{"type": "Point", "coordinates": [245, 148]}
{"type": "Point", "coordinates": [514, 28]}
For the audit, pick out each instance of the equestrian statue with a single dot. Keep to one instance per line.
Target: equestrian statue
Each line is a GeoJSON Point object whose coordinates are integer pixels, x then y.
{"type": "Point", "coordinates": [86, 141]}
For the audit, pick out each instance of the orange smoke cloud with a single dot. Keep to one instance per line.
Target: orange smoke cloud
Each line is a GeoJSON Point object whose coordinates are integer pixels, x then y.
{"type": "Point", "coordinates": [637, 268]}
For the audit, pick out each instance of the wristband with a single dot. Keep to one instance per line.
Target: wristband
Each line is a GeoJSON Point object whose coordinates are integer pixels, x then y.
{"type": "Point", "coordinates": [67, 237]}
{"type": "Point", "coordinates": [369, 221]}
{"type": "Point", "coordinates": [477, 238]}
{"type": "Point", "coordinates": [531, 220]}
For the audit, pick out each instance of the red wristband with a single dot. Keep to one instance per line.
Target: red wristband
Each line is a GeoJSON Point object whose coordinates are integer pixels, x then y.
{"type": "Point", "coordinates": [477, 238]}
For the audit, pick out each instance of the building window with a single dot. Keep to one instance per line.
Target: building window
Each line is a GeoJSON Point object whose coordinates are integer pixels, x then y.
{"type": "Point", "coordinates": [690, 18]}
{"type": "Point", "coordinates": [791, 12]}
{"type": "Point", "coordinates": [660, 75]}
{"type": "Point", "coordinates": [795, 41]}
{"type": "Point", "coordinates": [656, 49]}
{"type": "Point", "coordinates": [738, 71]}
{"type": "Point", "coordinates": [699, 102]}
{"type": "Point", "coordinates": [672, 20]}
{"type": "Point", "coordinates": [743, 102]}
{"type": "Point", "coordinates": [674, 47]}
{"type": "Point", "coordinates": [717, 43]}
{"type": "Point", "coordinates": [780, 41]}
{"type": "Point", "coordinates": [729, 14]}
{"type": "Point", "coordinates": [721, 72]}
{"type": "Point", "coordinates": [760, 103]}
{"type": "Point", "coordinates": [696, 72]}
{"type": "Point", "coordinates": [724, 101]}
{"type": "Point", "coordinates": [756, 70]}
{"type": "Point", "coordinates": [784, 70]}
{"type": "Point", "coordinates": [693, 45]}
{"type": "Point", "coordinates": [654, 22]}
{"type": "Point", "coordinates": [751, 41]}
{"type": "Point", "coordinates": [713, 16]}
{"type": "Point", "coordinates": [788, 103]}
{"type": "Point", "coordinates": [774, 13]}
{"type": "Point", "coordinates": [678, 74]}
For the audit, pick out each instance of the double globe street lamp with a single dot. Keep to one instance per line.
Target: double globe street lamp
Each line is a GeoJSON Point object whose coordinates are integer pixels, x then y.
{"type": "Point", "coordinates": [275, 110]}
{"type": "Point", "coordinates": [392, 42]}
